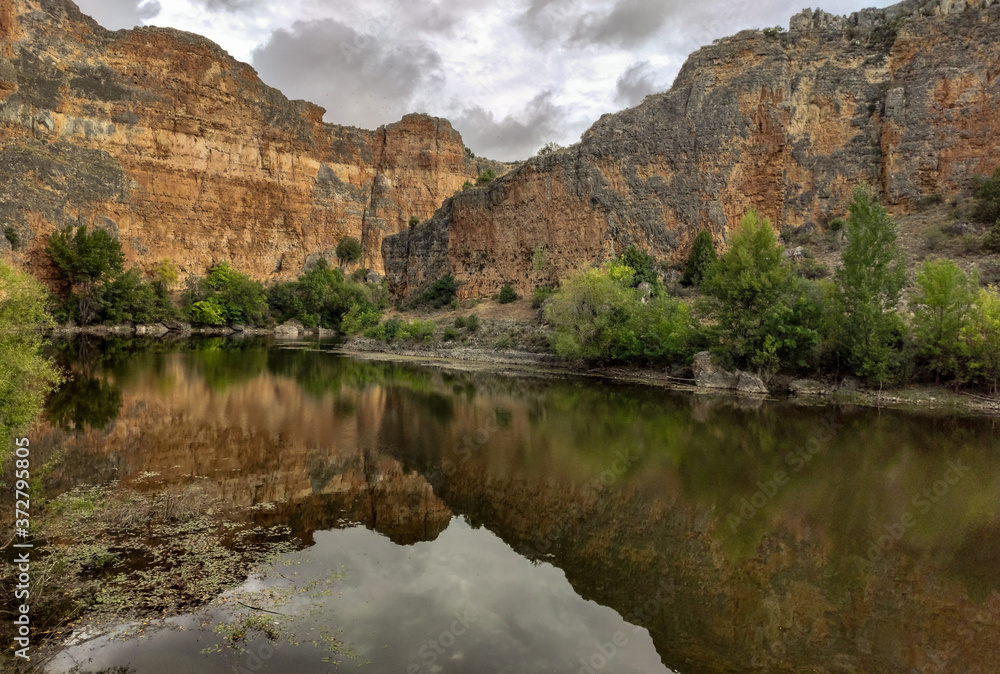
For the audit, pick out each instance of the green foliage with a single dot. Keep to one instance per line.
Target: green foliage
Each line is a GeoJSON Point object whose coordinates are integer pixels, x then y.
{"type": "Point", "coordinates": [944, 298]}
{"type": "Point", "coordinates": [129, 298]}
{"type": "Point", "coordinates": [25, 376]}
{"type": "Point", "coordinates": [702, 257]}
{"type": "Point", "coordinates": [414, 221]}
{"type": "Point", "coordinates": [870, 280]}
{"type": "Point", "coordinates": [507, 294]}
{"type": "Point", "coordinates": [539, 258]}
{"type": "Point", "coordinates": [165, 273]}
{"type": "Point", "coordinates": [981, 340]}
{"type": "Point", "coordinates": [837, 224]}
{"type": "Point", "coordinates": [486, 177]}
{"type": "Point", "coordinates": [644, 266]}
{"type": "Point", "coordinates": [541, 294]}
{"type": "Point", "coordinates": [773, 33]}
{"type": "Point", "coordinates": [13, 238]}
{"type": "Point", "coordinates": [450, 334]}
{"type": "Point", "coordinates": [598, 317]}
{"type": "Point", "coordinates": [348, 250]}
{"type": "Point", "coordinates": [323, 297]}
{"type": "Point", "coordinates": [227, 296]}
{"type": "Point", "coordinates": [467, 186]}
{"type": "Point", "coordinates": [767, 318]}
{"type": "Point", "coordinates": [471, 323]}
{"type": "Point", "coordinates": [992, 242]}
{"type": "Point", "coordinates": [936, 199]}
{"type": "Point", "coordinates": [469, 153]}
{"type": "Point", "coordinates": [440, 293]}
{"type": "Point", "coordinates": [987, 191]}
{"type": "Point", "coordinates": [396, 329]}
{"type": "Point", "coordinates": [85, 261]}
{"type": "Point", "coordinates": [359, 318]}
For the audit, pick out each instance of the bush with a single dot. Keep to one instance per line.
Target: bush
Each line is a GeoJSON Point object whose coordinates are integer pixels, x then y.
{"type": "Point", "coordinates": [359, 318]}
{"type": "Point", "coordinates": [767, 318]}
{"type": "Point", "coordinates": [129, 298]}
{"type": "Point", "coordinates": [507, 294]}
{"type": "Point", "coordinates": [450, 334]}
{"type": "Point", "coordinates": [322, 297]}
{"type": "Point", "coordinates": [541, 294]}
{"type": "Point", "coordinates": [472, 323]}
{"type": "Point", "coordinates": [701, 258]}
{"type": "Point", "coordinates": [987, 191]}
{"type": "Point", "coordinates": [992, 241]}
{"type": "Point", "coordinates": [598, 317]}
{"type": "Point", "coordinates": [923, 203]}
{"type": "Point", "coordinates": [348, 250]}
{"type": "Point", "coordinates": [773, 33]}
{"type": "Point", "coordinates": [13, 238]}
{"type": "Point", "coordinates": [941, 306]}
{"type": "Point", "coordinates": [486, 177]}
{"type": "Point", "coordinates": [837, 224]}
{"type": "Point", "coordinates": [414, 221]}
{"type": "Point", "coordinates": [467, 186]}
{"type": "Point", "coordinates": [644, 266]}
{"type": "Point", "coordinates": [227, 296]}
{"type": "Point", "coordinates": [397, 329]}
{"type": "Point", "coordinates": [809, 268]}
{"type": "Point", "coordinates": [440, 293]}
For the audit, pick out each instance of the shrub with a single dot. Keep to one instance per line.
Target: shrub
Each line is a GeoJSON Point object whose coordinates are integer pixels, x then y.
{"type": "Point", "coordinates": [541, 294]}
{"type": "Point", "coordinates": [836, 224]}
{"type": "Point", "coordinates": [348, 250]}
{"type": "Point", "coordinates": [130, 298]}
{"type": "Point", "coordinates": [773, 33]}
{"type": "Point", "coordinates": [869, 282]}
{"type": "Point", "coordinates": [486, 177]}
{"type": "Point", "coordinates": [13, 238]}
{"type": "Point", "coordinates": [472, 323]}
{"type": "Point", "coordinates": [322, 296]}
{"type": "Point", "coordinates": [85, 261]}
{"type": "Point", "coordinates": [923, 203]}
{"type": "Point", "coordinates": [359, 318]}
{"type": "Point", "coordinates": [398, 329]}
{"type": "Point", "coordinates": [992, 241]}
{"type": "Point", "coordinates": [450, 334]}
{"type": "Point", "coordinates": [596, 317]}
{"type": "Point", "coordinates": [507, 294]}
{"type": "Point", "coordinates": [230, 296]}
{"type": "Point", "coordinates": [440, 293]}
{"type": "Point", "coordinates": [701, 258]}
{"type": "Point", "coordinates": [460, 322]}
{"type": "Point", "coordinates": [539, 258]}
{"type": "Point", "coordinates": [987, 191]}
{"type": "Point", "coordinates": [934, 238]}
{"type": "Point", "coordinates": [809, 268]}
{"type": "Point", "coordinates": [644, 266]}
{"type": "Point", "coordinates": [164, 273]}
{"type": "Point", "coordinates": [766, 317]}
{"type": "Point", "coordinates": [414, 221]}
{"type": "Point", "coordinates": [467, 186]}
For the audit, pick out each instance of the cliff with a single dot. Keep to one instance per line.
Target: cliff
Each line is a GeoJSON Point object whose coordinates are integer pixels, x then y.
{"type": "Point", "coordinates": [163, 138]}
{"type": "Point", "coordinates": [904, 98]}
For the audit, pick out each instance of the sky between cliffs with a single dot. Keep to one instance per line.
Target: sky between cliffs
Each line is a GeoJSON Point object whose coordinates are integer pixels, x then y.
{"type": "Point", "coordinates": [511, 75]}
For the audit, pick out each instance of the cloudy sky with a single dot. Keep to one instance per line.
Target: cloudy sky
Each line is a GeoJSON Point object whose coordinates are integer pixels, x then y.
{"type": "Point", "coordinates": [511, 75]}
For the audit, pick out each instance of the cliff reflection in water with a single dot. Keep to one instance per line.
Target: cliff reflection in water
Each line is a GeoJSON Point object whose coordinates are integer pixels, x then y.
{"type": "Point", "coordinates": [762, 538]}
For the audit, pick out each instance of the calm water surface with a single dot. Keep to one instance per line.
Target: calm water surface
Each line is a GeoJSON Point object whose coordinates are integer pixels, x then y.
{"type": "Point", "coordinates": [455, 521]}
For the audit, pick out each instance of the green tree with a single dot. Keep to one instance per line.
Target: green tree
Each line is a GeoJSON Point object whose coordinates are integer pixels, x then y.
{"type": "Point", "coordinates": [701, 258]}
{"type": "Point", "coordinates": [987, 191]}
{"type": "Point", "coordinates": [942, 304]}
{"type": "Point", "coordinates": [644, 266]}
{"type": "Point", "coordinates": [130, 298]}
{"type": "Point", "coordinates": [507, 294]}
{"type": "Point", "coordinates": [414, 221]}
{"type": "Point", "coordinates": [486, 177]}
{"type": "Point", "coordinates": [766, 317]}
{"type": "Point", "coordinates": [25, 376]}
{"type": "Point", "coordinates": [348, 250]}
{"type": "Point", "coordinates": [870, 279]}
{"type": "Point", "coordinates": [981, 339]}
{"type": "Point", "coordinates": [85, 261]}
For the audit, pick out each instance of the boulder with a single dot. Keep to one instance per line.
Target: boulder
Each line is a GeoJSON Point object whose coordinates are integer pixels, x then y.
{"type": "Point", "coordinates": [709, 375]}
{"type": "Point", "coordinates": [750, 384]}
{"type": "Point", "coordinates": [289, 330]}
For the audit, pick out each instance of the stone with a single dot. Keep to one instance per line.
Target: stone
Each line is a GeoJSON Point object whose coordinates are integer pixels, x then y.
{"type": "Point", "coordinates": [192, 157]}
{"type": "Point", "coordinates": [787, 125]}
{"type": "Point", "coordinates": [807, 387]}
{"type": "Point", "coordinates": [176, 326]}
{"type": "Point", "coordinates": [291, 329]}
{"type": "Point", "coordinates": [709, 375]}
{"type": "Point", "coordinates": [644, 291]}
{"type": "Point", "coordinates": [750, 384]}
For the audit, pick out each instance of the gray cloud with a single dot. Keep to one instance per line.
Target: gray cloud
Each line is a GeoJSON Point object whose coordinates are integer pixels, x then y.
{"type": "Point", "coordinates": [362, 80]}
{"type": "Point", "coordinates": [512, 137]}
{"type": "Point", "coordinates": [230, 5]}
{"type": "Point", "coordinates": [633, 85]}
{"type": "Point", "coordinates": [629, 23]}
{"type": "Point", "coordinates": [115, 14]}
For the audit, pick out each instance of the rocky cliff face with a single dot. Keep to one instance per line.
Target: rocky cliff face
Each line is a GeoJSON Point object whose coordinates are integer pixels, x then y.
{"type": "Point", "coordinates": [163, 138]}
{"type": "Point", "coordinates": [905, 98]}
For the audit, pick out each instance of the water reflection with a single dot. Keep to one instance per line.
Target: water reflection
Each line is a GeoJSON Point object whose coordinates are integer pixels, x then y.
{"type": "Point", "coordinates": [761, 538]}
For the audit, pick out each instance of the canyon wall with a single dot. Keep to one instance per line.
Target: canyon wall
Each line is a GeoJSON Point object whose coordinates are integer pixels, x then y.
{"type": "Point", "coordinates": [181, 151]}
{"type": "Point", "coordinates": [903, 98]}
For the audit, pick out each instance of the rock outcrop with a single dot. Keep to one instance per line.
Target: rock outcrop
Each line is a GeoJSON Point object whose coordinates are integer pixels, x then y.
{"type": "Point", "coordinates": [905, 98]}
{"type": "Point", "coordinates": [182, 152]}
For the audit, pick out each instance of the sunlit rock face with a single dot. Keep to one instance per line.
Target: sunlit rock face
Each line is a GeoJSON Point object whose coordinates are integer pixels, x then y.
{"type": "Point", "coordinates": [903, 98]}
{"type": "Point", "coordinates": [161, 137]}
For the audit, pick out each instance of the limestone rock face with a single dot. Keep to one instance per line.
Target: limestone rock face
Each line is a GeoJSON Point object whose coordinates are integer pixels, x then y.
{"type": "Point", "coordinates": [905, 98]}
{"type": "Point", "coordinates": [165, 140]}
